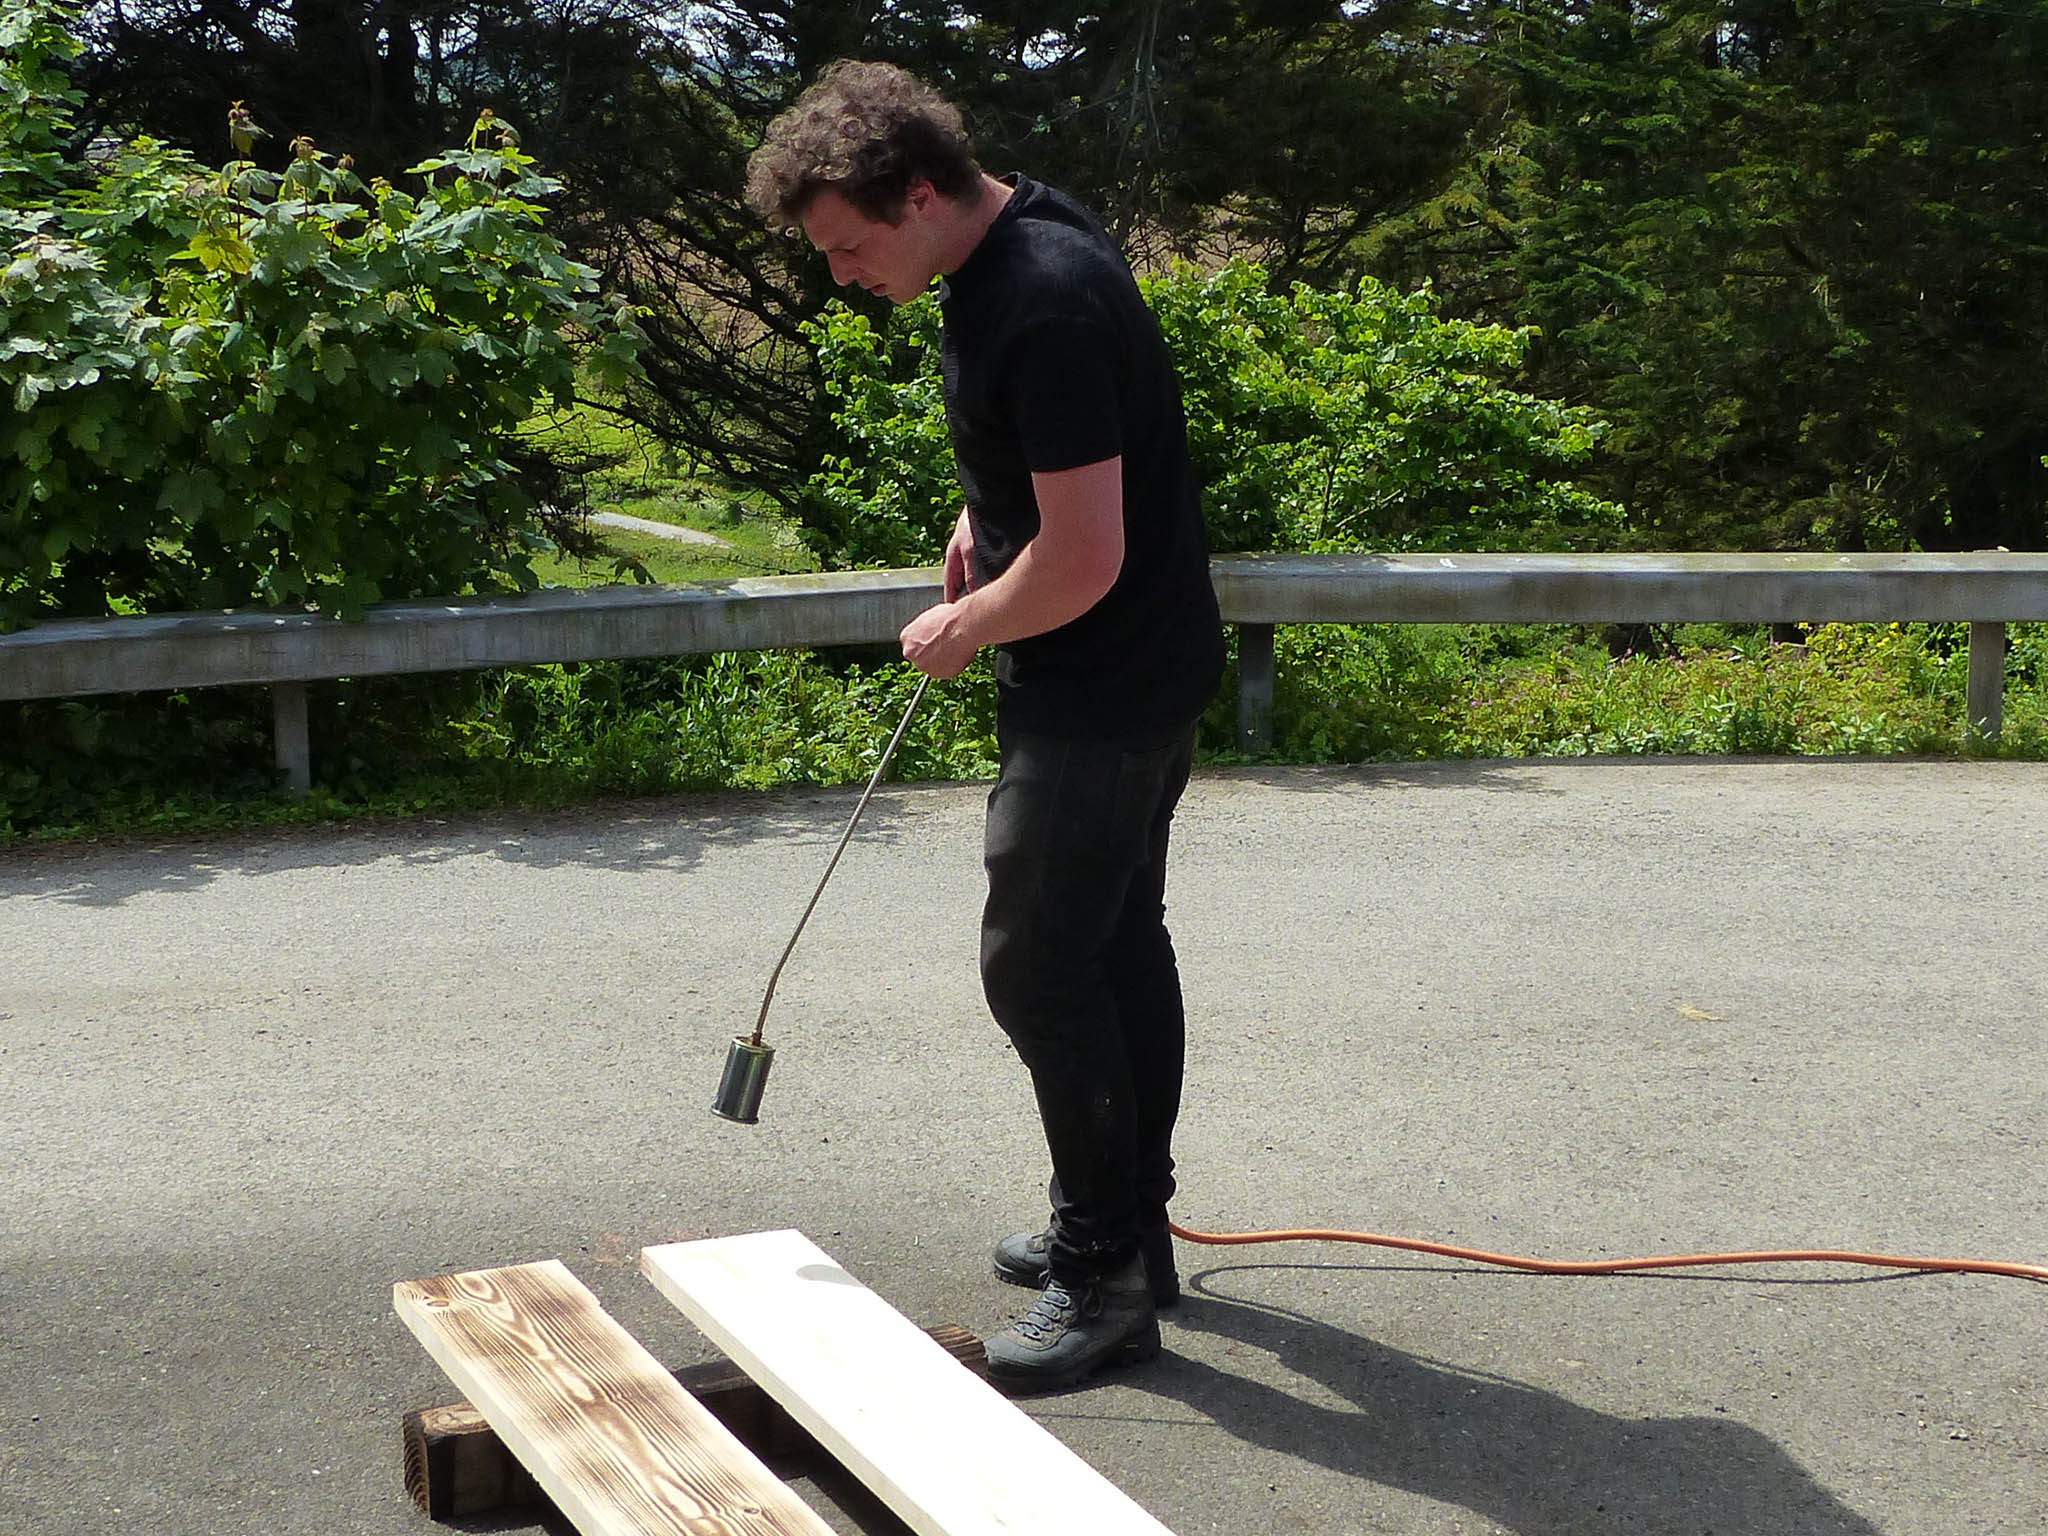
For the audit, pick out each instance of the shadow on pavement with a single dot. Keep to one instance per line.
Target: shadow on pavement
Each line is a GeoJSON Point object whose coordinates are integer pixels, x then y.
{"type": "Point", "coordinates": [1502, 775]}
{"type": "Point", "coordinates": [1520, 775]}
{"type": "Point", "coordinates": [670, 834]}
{"type": "Point", "coordinates": [1518, 1455]}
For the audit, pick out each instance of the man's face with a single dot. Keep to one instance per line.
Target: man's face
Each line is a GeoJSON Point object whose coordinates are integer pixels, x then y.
{"type": "Point", "coordinates": [893, 260]}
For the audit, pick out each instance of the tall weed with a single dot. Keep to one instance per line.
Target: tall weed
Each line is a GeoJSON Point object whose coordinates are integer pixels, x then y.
{"type": "Point", "coordinates": [747, 720]}
{"type": "Point", "coordinates": [1383, 692]}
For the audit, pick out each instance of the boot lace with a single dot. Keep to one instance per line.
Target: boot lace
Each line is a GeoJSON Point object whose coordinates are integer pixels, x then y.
{"type": "Point", "coordinates": [1050, 1315]}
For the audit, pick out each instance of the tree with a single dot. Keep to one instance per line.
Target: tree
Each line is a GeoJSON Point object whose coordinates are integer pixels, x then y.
{"type": "Point", "coordinates": [1158, 116]}
{"type": "Point", "coordinates": [238, 386]}
{"type": "Point", "coordinates": [1273, 127]}
{"type": "Point", "coordinates": [1789, 247]}
{"type": "Point", "coordinates": [1911, 136]}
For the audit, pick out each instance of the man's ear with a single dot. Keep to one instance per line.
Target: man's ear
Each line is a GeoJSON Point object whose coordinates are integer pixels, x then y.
{"type": "Point", "coordinates": [919, 197]}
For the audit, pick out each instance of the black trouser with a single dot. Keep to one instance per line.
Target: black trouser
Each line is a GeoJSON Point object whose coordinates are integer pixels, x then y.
{"type": "Point", "coordinates": [1080, 974]}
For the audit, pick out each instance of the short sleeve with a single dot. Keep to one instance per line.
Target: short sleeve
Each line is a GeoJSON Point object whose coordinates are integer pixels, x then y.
{"type": "Point", "coordinates": [1062, 393]}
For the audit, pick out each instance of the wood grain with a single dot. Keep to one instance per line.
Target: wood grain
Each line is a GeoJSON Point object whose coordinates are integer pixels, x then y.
{"type": "Point", "coordinates": [454, 1463]}
{"type": "Point", "coordinates": [941, 1447]}
{"type": "Point", "coordinates": [608, 1434]}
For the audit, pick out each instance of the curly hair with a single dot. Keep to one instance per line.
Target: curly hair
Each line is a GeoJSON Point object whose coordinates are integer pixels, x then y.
{"type": "Point", "coordinates": [865, 131]}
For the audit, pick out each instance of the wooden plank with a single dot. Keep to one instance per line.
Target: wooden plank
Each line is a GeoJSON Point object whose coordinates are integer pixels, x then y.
{"type": "Point", "coordinates": [455, 1464]}
{"type": "Point", "coordinates": [609, 1435]}
{"type": "Point", "coordinates": [942, 1448]}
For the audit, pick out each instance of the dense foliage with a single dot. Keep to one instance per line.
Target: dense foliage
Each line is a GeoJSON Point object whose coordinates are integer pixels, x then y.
{"type": "Point", "coordinates": [885, 493]}
{"type": "Point", "coordinates": [540, 735]}
{"type": "Point", "coordinates": [1792, 250]}
{"type": "Point", "coordinates": [1274, 123]}
{"type": "Point", "coordinates": [1361, 419]}
{"type": "Point", "coordinates": [1350, 420]}
{"type": "Point", "coordinates": [1367, 693]}
{"type": "Point", "coordinates": [234, 386]}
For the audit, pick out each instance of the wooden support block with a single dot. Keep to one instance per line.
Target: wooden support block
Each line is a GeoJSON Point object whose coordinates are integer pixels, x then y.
{"type": "Point", "coordinates": [609, 1436]}
{"type": "Point", "coordinates": [941, 1447]}
{"type": "Point", "coordinates": [456, 1465]}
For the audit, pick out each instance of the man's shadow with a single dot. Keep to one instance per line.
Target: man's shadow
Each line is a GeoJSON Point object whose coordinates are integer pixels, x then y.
{"type": "Point", "coordinates": [1530, 1460]}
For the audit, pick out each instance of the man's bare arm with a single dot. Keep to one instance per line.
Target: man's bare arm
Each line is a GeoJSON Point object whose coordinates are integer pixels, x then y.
{"type": "Point", "coordinates": [1063, 572]}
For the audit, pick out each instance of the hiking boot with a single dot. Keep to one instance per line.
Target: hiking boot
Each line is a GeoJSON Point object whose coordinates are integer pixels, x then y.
{"type": "Point", "coordinates": [1071, 1332]}
{"type": "Point", "coordinates": [1020, 1260]}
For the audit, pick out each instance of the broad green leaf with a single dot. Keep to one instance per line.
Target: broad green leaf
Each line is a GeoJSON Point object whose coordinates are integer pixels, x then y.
{"type": "Point", "coordinates": [190, 494]}
{"type": "Point", "coordinates": [219, 251]}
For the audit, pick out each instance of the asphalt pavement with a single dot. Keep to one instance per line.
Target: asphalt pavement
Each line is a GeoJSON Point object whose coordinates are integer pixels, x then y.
{"type": "Point", "coordinates": [1570, 1009]}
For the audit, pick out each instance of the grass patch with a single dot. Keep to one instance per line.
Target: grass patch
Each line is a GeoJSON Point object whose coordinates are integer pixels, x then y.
{"type": "Point", "coordinates": [620, 468]}
{"type": "Point", "coordinates": [761, 547]}
{"type": "Point", "coordinates": [531, 736]}
{"type": "Point", "coordinates": [1387, 692]}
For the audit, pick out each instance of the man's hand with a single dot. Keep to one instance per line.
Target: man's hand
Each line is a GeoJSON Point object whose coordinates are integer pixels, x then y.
{"type": "Point", "coordinates": [1063, 572]}
{"type": "Point", "coordinates": [935, 641]}
{"type": "Point", "coordinates": [960, 560]}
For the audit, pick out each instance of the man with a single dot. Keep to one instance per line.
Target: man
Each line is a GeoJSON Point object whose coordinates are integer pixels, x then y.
{"type": "Point", "coordinates": [1080, 556]}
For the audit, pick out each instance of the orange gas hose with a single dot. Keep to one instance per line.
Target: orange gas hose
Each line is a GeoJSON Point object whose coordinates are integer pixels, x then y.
{"type": "Point", "coordinates": [1617, 1266]}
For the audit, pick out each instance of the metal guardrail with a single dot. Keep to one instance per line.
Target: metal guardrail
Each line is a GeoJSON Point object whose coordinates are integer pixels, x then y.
{"type": "Point", "coordinates": [287, 649]}
{"type": "Point", "coordinates": [1987, 588]}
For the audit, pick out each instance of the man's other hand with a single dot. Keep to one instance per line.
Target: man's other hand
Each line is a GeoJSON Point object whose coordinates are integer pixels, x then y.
{"type": "Point", "coordinates": [960, 560]}
{"type": "Point", "coordinates": [936, 641]}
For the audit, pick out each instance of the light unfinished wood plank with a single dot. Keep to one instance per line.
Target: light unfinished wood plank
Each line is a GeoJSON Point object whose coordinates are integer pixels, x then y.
{"type": "Point", "coordinates": [619, 1446]}
{"type": "Point", "coordinates": [941, 1447]}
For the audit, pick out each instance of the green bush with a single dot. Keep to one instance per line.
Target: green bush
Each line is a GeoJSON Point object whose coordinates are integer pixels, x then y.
{"type": "Point", "coordinates": [1389, 692]}
{"type": "Point", "coordinates": [744, 720]}
{"type": "Point", "coordinates": [1363, 420]}
{"type": "Point", "coordinates": [886, 493]}
{"type": "Point", "coordinates": [232, 386]}
{"type": "Point", "coordinates": [1356, 420]}
{"type": "Point", "coordinates": [451, 741]}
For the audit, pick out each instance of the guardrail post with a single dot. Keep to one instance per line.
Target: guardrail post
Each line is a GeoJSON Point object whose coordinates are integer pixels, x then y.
{"type": "Point", "coordinates": [294, 750]}
{"type": "Point", "coordinates": [1254, 687]}
{"type": "Point", "coordinates": [1987, 679]}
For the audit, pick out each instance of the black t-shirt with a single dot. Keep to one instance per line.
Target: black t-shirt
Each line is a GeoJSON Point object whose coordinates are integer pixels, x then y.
{"type": "Point", "coordinates": [1052, 361]}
